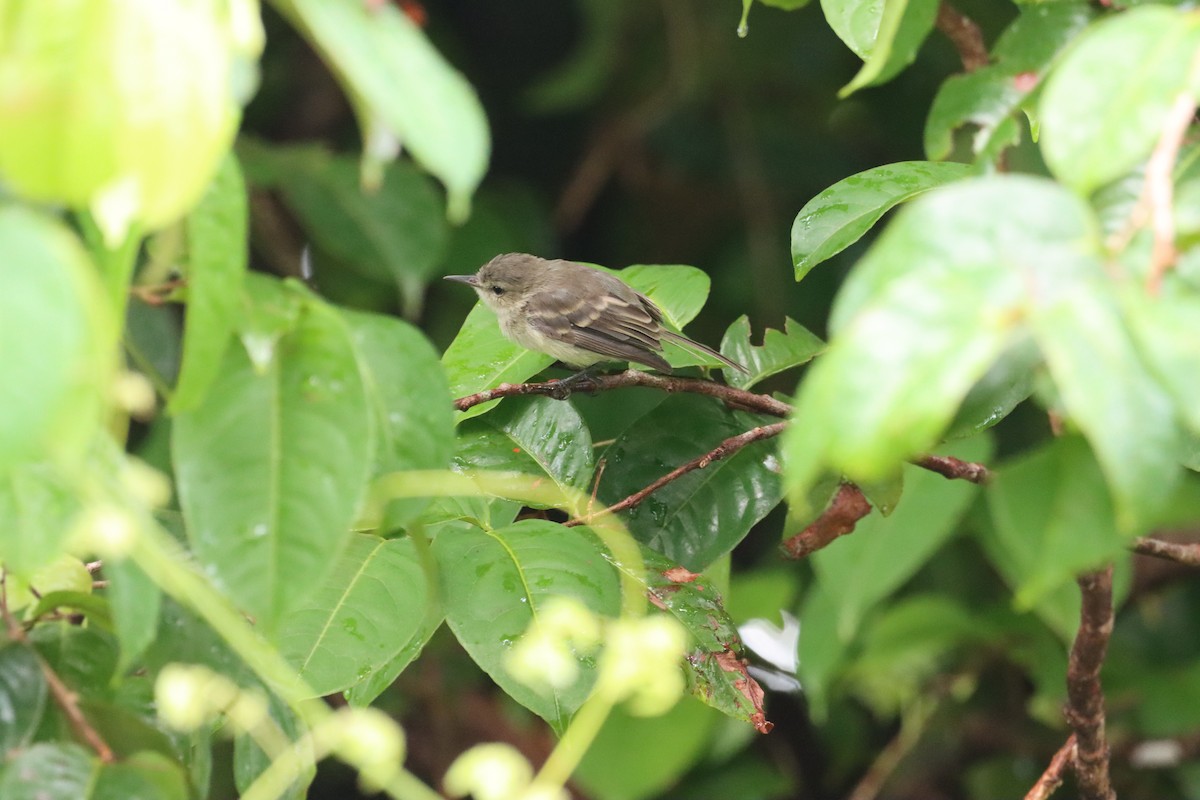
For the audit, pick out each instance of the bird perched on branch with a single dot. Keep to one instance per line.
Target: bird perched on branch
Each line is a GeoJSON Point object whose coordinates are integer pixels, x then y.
{"type": "Point", "coordinates": [577, 314]}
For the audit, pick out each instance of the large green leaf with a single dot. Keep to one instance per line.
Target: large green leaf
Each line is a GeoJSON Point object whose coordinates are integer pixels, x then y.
{"type": "Point", "coordinates": [271, 466]}
{"type": "Point", "coordinates": [1167, 331]}
{"type": "Point", "coordinates": [780, 350]}
{"type": "Point", "coordinates": [216, 264]}
{"type": "Point", "coordinates": [400, 83]}
{"type": "Point", "coordinates": [857, 572]}
{"type": "Point", "coordinates": [496, 582]}
{"type": "Point", "coordinates": [48, 771]}
{"type": "Point", "coordinates": [1105, 104]}
{"type": "Point", "coordinates": [85, 658]}
{"type": "Point", "coordinates": [535, 435]}
{"type": "Point", "coordinates": [409, 401]}
{"type": "Point", "coordinates": [887, 35]}
{"type": "Point", "coordinates": [942, 294]}
{"type": "Point", "coordinates": [365, 612]}
{"type": "Point", "coordinates": [144, 775]}
{"type": "Point", "coordinates": [22, 696]}
{"type": "Point", "coordinates": [36, 506]}
{"type": "Point", "coordinates": [135, 600]}
{"type": "Point", "coordinates": [701, 516]}
{"type": "Point", "coordinates": [56, 340]}
{"type": "Point", "coordinates": [839, 216]}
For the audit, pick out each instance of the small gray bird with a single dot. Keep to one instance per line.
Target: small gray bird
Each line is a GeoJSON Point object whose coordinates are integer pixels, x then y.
{"type": "Point", "coordinates": [579, 315]}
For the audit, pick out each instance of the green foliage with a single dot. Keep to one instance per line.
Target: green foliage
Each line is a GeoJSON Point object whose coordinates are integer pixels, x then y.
{"type": "Point", "coordinates": [226, 494]}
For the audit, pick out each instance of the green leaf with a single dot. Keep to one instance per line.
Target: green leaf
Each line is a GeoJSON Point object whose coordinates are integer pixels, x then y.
{"type": "Point", "coordinates": [85, 658]}
{"type": "Point", "coordinates": [37, 507]}
{"type": "Point", "coordinates": [677, 289]}
{"type": "Point", "coordinates": [701, 516]}
{"type": "Point", "coordinates": [1167, 332]}
{"type": "Point", "coordinates": [858, 571]}
{"type": "Point", "coordinates": [249, 760]}
{"type": "Point", "coordinates": [398, 81]}
{"type": "Point", "coordinates": [1107, 391]}
{"type": "Point", "coordinates": [495, 583]}
{"type": "Point", "coordinates": [780, 350]}
{"type": "Point", "coordinates": [408, 398]}
{"type": "Point", "coordinates": [941, 295]}
{"type": "Point", "coordinates": [533, 435]}
{"type": "Point", "coordinates": [144, 775]}
{"type": "Point", "coordinates": [1104, 105]}
{"type": "Point", "coordinates": [988, 97]}
{"type": "Point", "coordinates": [1006, 385]}
{"type": "Point", "coordinates": [1053, 518]}
{"type": "Point", "coordinates": [887, 37]}
{"type": "Point", "coordinates": [839, 216]}
{"type": "Point", "coordinates": [135, 601]}
{"type": "Point", "coordinates": [216, 264]}
{"type": "Point", "coordinates": [49, 772]}
{"type": "Point", "coordinates": [271, 466]}
{"type": "Point", "coordinates": [397, 233]}
{"type": "Point", "coordinates": [22, 697]}
{"type": "Point", "coordinates": [366, 611]}
{"type": "Point", "coordinates": [56, 340]}
{"type": "Point", "coordinates": [365, 691]}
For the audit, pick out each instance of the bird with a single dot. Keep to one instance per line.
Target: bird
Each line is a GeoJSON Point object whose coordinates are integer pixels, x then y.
{"type": "Point", "coordinates": [578, 314]}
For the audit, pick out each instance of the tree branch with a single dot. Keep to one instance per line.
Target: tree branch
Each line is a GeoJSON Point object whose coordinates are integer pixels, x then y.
{"type": "Point", "coordinates": [848, 506]}
{"type": "Point", "coordinates": [964, 34]}
{"type": "Point", "coordinates": [723, 450]}
{"type": "Point", "coordinates": [1085, 706]}
{"type": "Point", "coordinates": [1158, 193]}
{"type": "Point", "coordinates": [954, 468]}
{"type": "Point", "coordinates": [1182, 552]}
{"type": "Point", "coordinates": [1052, 778]}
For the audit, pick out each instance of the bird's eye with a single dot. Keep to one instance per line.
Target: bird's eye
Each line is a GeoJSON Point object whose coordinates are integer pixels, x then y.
{"type": "Point", "coordinates": [497, 290]}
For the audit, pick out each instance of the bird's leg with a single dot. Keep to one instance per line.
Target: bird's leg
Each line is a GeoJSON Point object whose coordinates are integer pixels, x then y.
{"type": "Point", "coordinates": [582, 381]}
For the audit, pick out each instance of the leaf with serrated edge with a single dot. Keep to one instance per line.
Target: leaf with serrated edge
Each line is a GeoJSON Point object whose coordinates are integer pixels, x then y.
{"type": "Point", "coordinates": [780, 350]}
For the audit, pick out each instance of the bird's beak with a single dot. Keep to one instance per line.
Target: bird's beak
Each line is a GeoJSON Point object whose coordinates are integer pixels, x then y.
{"type": "Point", "coordinates": [469, 280]}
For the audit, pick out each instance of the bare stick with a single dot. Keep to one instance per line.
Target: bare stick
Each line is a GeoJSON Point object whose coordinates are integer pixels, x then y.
{"type": "Point", "coordinates": [954, 468]}
{"type": "Point", "coordinates": [1085, 697]}
{"type": "Point", "coordinates": [964, 34]}
{"type": "Point", "coordinates": [1158, 193]}
{"type": "Point", "coordinates": [723, 450]}
{"type": "Point", "coordinates": [1052, 778]}
{"type": "Point", "coordinates": [1182, 552]}
{"type": "Point", "coordinates": [848, 506]}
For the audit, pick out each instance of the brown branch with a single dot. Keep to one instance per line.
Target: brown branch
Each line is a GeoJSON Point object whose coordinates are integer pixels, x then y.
{"type": "Point", "coordinates": [1158, 193]}
{"type": "Point", "coordinates": [964, 34]}
{"type": "Point", "coordinates": [848, 506]}
{"type": "Point", "coordinates": [723, 450]}
{"type": "Point", "coordinates": [1052, 778]}
{"type": "Point", "coordinates": [1182, 552]}
{"type": "Point", "coordinates": [560, 390]}
{"type": "Point", "coordinates": [66, 699]}
{"type": "Point", "coordinates": [1085, 697]}
{"type": "Point", "coordinates": [954, 468]}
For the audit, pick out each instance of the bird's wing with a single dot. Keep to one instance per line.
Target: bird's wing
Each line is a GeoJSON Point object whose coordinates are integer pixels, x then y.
{"type": "Point", "coordinates": [604, 323]}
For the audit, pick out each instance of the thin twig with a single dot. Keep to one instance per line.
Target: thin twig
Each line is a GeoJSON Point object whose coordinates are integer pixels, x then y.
{"type": "Point", "coordinates": [954, 468]}
{"type": "Point", "coordinates": [848, 506]}
{"type": "Point", "coordinates": [964, 34]}
{"type": "Point", "coordinates": [723, 450]}
{"type": "Point", "coordinates": [1182, 552]}
{"type": "Point", "coordinates": [912, 727]}
{"type": "Point", "coordinates": [1085, 697]}
{"type": "Point", "coordinates": [1158, 193]}
{"type": "Point", "coordinates": [1052, 778]}
{"type": "Point", "coordinates": [67, 700]}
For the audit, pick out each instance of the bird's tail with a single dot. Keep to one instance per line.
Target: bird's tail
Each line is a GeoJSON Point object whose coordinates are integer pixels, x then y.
{"type": "Point", "coordinates": [680, 339]}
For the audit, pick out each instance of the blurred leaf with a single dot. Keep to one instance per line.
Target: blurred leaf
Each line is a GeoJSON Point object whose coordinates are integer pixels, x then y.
{"type": "Point", "coordinates": [93, 607]}
{"type": "Point", "coordinates": [495, 582]}
{"type": "Point", "coordinates": [271, 466]}
{"type": "Point", "coordinates": [144, 775]}
{"type": "Point", "coordinates": [395, 78]}
{"type": "Point", "coordinates": [1053, 518]}
{"type": "Point", "coordinates": [249, 760]}
{"type": "Point", "coordinates": [1104, 106]}
{"type": "Point", "coordinates": [56, 340]}
{"type": "Point", "coordinates": [886, 36]}
{"type": "Point", "coordinates": [135, 600]}
{"type": "Point", "coordinates": [1007, 384]}
{"type": "Point", "coordinates": [1168, 700]}
{"type": "Point", "coordinates": [216, 263]}
{"type": "Point", "coordinates": [924, 316]}
{"type": "Point", "coordinates": [990, 95]}
{"type": "Point", "coordinates": [184, 637]}
{"type": "Point", "coordinates": [365, 612]}
{"type": "Point", "coordinates": [22, 697]}
{"type": "Point", "coordinates": [36, 506]}
{"type": "Point", "coordinates": [396, 233]}
{"type": "Point", "coordinates": [1167, 331]}
{"type": "Point", "coordinates": [701, 516]}
{"type": "Point", "coordinates": [85, 658]}
{"type": "Point", "coordinates": [583, 76]}
{"type": "Point", "coordinates": [45, 771]}
{"type": "Point", "coordinates": [780, 350]}
{"type": "Point", "coordinates": [153, 341]}
{"type": "Point", "coordinates": [858, 571]}
{"type": "Point", "coordinates": [839, 216]}
{"type": "Point", "coordinates": [534, 435]}
{"type": "Point", "coordinates": [409, 400]}
{"type": "Point", "coordinates": [654, 752]}
{"type": "Point", "coordinates": [1107, 391]}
